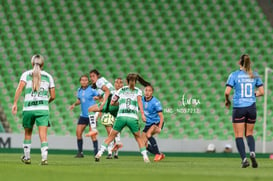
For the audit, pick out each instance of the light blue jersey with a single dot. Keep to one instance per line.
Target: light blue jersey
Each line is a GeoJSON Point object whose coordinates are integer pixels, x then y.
{"type": "Point", "coordinates": [244, 88]}
{"type": "Point", "coordinates": [86, 96]}
{"type": "Point", "coordinates": [151, 110]}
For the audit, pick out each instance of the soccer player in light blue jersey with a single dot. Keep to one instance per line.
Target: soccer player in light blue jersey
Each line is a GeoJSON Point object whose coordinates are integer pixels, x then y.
{"type": "Point", "coordinates": [154, 121]}
{"type": "Point", "coordinates": [39, 92]}
{"type": "Point", "coordinates": [244, 82]}
{"type": "Point", "coordinates": [85, 97]}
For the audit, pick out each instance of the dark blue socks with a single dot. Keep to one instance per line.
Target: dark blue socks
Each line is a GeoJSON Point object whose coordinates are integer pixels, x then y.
{"type": "Point", "coordinates": [251, 143]}
{"type": "Point", "coordinates": [241, 147]}
{"type": "Point", "coordinates": [95, 146]}
{"type": "Point", "coordinates": [154, 145]}
{"type": "Point", "coordinates": [79, 143]}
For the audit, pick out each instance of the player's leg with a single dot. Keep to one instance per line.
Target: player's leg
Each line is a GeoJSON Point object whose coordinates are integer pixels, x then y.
{"type": "Point", "coordinates": [105, 144]}
{"type": "Point", "coordinates": [252, 114]}
{"type": "Point", "coordinates": [152, 140]}
{"type": "Point", "coordinates": [148, 146]}
{"type": "Point", "coordinates": [94, 108]}
{"type": "Point", "coordinates": [27, 146]}
{"type": "Point", "coordinates": [93, 124]}
{"type": "Point", "coordinates": [28, 123]}
{"type": "Point", "coordinates": [42, 122]}
{"type": "Point", "coordinates": [44, 144]}
{"type": "Point", "coordinates": [110, 146]}
{"type": "Point", "coordinates": [117, 144]}
{"type": "Point", "coordinates": [95, 143]}
{"type": "Point", "coordinates": [145, 140]}
{"type": "Point", "coordinates": [238, 122]}
{"type": "Point", "coordinates": [141, 146]}
{"type": "Point", "coordinates": [113, 110]}
{"type": "Point", "coordinates": [107, 120]}
{"type": "Point", "coordinates": [151, 131]}
{"type": "Point", "coordinates": [134, 127]}
{"type": "Point", "coordinates": [93, 115]}
{"type": "Point", "coordinates": [118, 126]}
{"type": "Point", "coordinates": [79, 130]}
{"type": "Point", "coordinates": [239, 135]}
{"type": "Point", "coordinates": [251, 144]}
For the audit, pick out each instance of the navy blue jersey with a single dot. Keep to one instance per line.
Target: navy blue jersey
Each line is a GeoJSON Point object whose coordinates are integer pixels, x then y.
{"type": "Point", "coordinates": [244, 88]}
{"type": "Point", "coordinates": [151, 109]}
{"type": "Point", "coordinates": [86, 97]}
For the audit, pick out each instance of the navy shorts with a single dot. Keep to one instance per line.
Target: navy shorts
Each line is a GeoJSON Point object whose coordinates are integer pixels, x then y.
{"type": "Point", "coordinates": [147, 127]}
{"type": "Point", "coordinates": [83, 120]}
{"type": "Point", "coordinates": [245, 114]}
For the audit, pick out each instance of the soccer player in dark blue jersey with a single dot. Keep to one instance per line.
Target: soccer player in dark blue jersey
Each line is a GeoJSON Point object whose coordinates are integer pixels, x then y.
{"type": "Point", "coordinates": [244, 82]}
{"type": "Point", "coordinates": [154, 121]}
{"type": "Point", "coordinates": [85, 97]}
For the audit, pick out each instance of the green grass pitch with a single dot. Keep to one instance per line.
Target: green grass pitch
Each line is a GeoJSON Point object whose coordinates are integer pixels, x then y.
{"type": "Point", "coordinates": [131, 168]}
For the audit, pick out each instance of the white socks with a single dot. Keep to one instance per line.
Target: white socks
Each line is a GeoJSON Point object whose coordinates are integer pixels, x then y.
{"type": "Point", "coordinates": [44, 152]}
{"type": "Point", "coordinates": [110, 147]}
{"type": "Point", "coordinates": [103, 147]}
{"type": "Point", "coordinates": [27, 148]}
{"type": "Point", "coordinates": [93, 120]}
{"type": "Point", "coordinates": [117, 138]}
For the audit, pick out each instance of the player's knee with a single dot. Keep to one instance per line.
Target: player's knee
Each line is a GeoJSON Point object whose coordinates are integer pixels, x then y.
{"type": "Point", "coordinates": [94, 137]}
{"type": "Point", "coordinates": [148, 135]}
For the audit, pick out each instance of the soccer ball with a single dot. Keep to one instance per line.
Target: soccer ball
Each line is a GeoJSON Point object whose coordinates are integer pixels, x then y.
{"type": "Point", "coordinates": [107, 119]}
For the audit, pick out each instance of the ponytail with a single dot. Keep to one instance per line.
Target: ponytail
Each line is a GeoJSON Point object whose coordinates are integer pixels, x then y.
{"type": "Point", "coordinates": [245, 62]}
{"type": "Point", "coordinates": [37, 62]}
{"type": "Point", "coordinates": [36, 77]}
{"type": "Point", "coordinates": [132, 78]}
{"type": "Point", "coordinates": [142, 81]}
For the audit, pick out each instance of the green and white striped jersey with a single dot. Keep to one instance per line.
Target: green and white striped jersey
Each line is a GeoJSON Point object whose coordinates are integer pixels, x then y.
{"type": "Point", "coordinates": [37, 100]}
{"type": "Point", "coordinates": [128, 106]}
{"type": "Point", "coordinates": [101, 82]}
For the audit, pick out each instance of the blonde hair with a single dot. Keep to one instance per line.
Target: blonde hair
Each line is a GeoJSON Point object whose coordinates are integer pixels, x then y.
{"type": "Point", "coordinates": [37, 62]}
{"type": "Point", "coordinates": [245, 63]}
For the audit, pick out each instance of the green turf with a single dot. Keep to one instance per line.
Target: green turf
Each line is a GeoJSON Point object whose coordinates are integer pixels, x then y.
{"type": "Point", "coordinates": [131, 168]}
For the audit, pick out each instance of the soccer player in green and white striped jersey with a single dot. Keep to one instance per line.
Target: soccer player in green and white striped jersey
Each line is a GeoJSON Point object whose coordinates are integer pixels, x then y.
{"type": "Point", "coordinates": [129, 100]}
{"type": "Point", "coordinates": [106, 89]}
{"type": "Point", "coordinates": [38, 84]}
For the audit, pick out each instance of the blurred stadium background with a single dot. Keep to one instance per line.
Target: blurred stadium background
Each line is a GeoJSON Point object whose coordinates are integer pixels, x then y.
{"type": "Point", "coordinates": [185, 48]}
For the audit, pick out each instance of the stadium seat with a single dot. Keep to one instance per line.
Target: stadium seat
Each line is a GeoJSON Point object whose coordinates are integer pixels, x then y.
{"type": "Point", "coordinates": [183, 48]}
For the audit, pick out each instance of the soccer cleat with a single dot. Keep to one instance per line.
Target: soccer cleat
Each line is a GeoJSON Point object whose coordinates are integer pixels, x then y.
{"type": "Point", "coordinates": [146, 160]}
{"type": "Point", "coordinates": [115, 156]}
{"type": "Point", "coordinates": [25, 161]}
{"type": "Point", "coordinates": [91, 133]}
{"type": "Point", "coordinates": [159, 157]}
{"type": "Point", "coordinates": [109, 156]}
{"type": "Point", "coordinates": [162, 156]}
{"type": "Point", "coordinates": [79, 155]}
{"type": "Point", "coordinates": [117, 146]}
{"type": "Point", "coordinates": [253, 161]}
{"type": "Point", "coordinates": [97, 157]}
{"type": "Point", "coordinates": [44, 162]}
{"type": "Point", "coordinates": [245, 163]}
